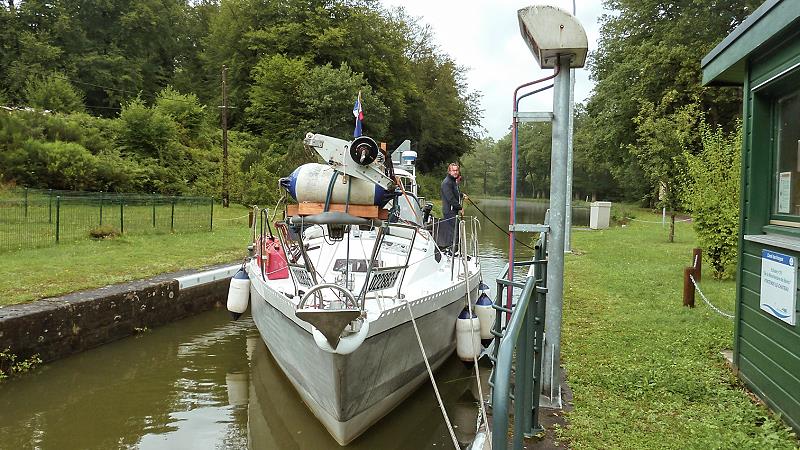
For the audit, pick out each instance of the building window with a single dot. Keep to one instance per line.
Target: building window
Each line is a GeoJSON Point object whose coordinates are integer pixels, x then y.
{"type": "Point", "coordinates": [787, 139]}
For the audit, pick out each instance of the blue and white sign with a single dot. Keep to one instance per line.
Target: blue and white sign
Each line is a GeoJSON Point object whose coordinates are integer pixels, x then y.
{"type": "Point", "coordinates": [779, 285]}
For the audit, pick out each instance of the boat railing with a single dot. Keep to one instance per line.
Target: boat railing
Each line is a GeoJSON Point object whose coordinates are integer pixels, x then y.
{"type": "Point", "coordinates": [518, 347]}
{"type": "Point", "coordinates": [380, 278]}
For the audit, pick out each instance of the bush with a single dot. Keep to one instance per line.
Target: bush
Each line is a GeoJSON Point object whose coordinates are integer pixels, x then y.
{"type": "Point", "coordinates": [621, 213]}
{"type": "Point", "coordinates": [10, 366]}
{"type": "Point", "coordinates": [712, 194]}
{"type": "Point", "coordinates": [430, 185]}
{"type": "Point", "coordinates": [53, 93]}
{"type": "Point", "coordinates": [103, 232]}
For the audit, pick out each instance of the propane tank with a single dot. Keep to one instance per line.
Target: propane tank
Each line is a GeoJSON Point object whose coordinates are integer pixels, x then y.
{"type": "Point", "coordinates": [486, 315]}
{"type": "Point", "coordinates": [468, 344]}
{"type": "Point", "coordinates": [238, 294]}
{"type": "Point", "coordinates": [310, 183]}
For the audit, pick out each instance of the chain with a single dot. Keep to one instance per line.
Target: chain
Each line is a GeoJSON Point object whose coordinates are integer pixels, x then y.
{"type": "Point", "coordinates": [707, 302]}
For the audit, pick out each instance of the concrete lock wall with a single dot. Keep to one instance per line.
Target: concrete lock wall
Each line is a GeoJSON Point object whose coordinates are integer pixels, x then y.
{"type": "Point", "coordinates": [57, 327]}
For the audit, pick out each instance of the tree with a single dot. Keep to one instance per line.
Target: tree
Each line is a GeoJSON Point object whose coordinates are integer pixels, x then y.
{"type": "Point", "coordinates": [712, 194]}
{"type": "Point", "coordinates": [185, 110]}
{"type": "Point", "coordinates": [53, 93]}
{"type": "Point", "coordinates": [647, 49]}
{"type": "Point", "coordinates": [666, 133]}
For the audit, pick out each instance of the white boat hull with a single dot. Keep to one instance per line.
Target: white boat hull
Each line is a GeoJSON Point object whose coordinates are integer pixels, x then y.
{"type": "Point", "coordinates": [349, 393]}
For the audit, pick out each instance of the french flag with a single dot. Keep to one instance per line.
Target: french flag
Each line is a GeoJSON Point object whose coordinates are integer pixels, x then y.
{"type": "Point", "coordinates": [358, 112]}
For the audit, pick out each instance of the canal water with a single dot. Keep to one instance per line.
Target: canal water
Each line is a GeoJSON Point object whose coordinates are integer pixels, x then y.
{"type": "Point", "coordinates": [207, 382]}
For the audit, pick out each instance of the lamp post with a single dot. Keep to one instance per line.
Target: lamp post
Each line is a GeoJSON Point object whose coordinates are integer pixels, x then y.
{"type": "Point", "coordinates": [557, 40]}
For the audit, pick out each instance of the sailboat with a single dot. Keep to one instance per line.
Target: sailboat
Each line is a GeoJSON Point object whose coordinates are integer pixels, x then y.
{"type": "Point", "coordinates": [350, 292]}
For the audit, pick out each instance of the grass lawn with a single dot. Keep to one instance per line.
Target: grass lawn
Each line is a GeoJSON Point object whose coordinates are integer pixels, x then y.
{"type": "Point", "coordinates": [645, 371]}
{"type": "Point", "coordinates": [32, 274]}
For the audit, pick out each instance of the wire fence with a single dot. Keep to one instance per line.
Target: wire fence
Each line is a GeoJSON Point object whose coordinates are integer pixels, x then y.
{"type": "Point", "coordinates": [31, 218]}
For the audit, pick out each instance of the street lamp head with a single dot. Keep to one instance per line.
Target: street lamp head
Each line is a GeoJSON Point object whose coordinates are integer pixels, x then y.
{"type": "Point", "coordinates": [551, 32]}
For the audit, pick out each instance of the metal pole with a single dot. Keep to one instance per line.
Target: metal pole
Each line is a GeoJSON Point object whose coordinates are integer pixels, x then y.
{"type": "Point", "coordinates": [225, 199]}
{"type": "Point", "coordinates": [26, 203]}
{"type": "Point", "coordinates": [49, 206]}
{"type": "Point", "coordinates": [558, 207]}
{"type": "Point", "coordinates": [121, 215]}
{"type": "Point", "coordinates": [211, 225]}
{"type": "Point", "coordinates": [153, 198]}
{"type": "Point", "coordinates": [101, 207]}
{"type": "Point", "coordinates": [58, 216]}
{"type": "Point", "coordinates": [172, 217]}
{"type": "Point", "coordinates": [568, 221]}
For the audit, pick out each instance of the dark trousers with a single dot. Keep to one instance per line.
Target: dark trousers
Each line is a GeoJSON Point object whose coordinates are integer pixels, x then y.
{"type": "Point", "coordinates": [447, 231]}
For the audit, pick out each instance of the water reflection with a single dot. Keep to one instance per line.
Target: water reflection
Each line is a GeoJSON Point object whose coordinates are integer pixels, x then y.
{"type": "Point", "coordinates": [207, 382]}
{"type": "Point", "coordinates": [163, 389]}
{"type": "Point", "coordinates": [277, 417]}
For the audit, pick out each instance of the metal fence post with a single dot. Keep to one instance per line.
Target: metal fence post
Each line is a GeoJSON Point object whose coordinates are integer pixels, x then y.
{"type": "Point", "coordinates": [154, 209]}
{"type": "Point", "coordinates": [172, 217]}
{"type": "Point", "coordinates": [211, 225]}
{"type": "Point", "coordinates": [26, 203]}
{"type": "Point", "coordinates": [49, 206]}
{"type": "Point", "coordinates": [121, 215]}
{"type": "Point", "coordinates": [101, 207]}
{"type": "Point", "coordinates": [58, 216]}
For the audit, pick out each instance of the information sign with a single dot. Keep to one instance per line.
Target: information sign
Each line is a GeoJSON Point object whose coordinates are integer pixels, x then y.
{"type": "Point", "coordinates": [779, 285]}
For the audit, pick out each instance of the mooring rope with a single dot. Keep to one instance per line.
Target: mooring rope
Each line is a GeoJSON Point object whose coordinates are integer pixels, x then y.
{"type": "Point", "coordinates": [495, 224]}
{"type": "Point", "coordinates": [433, 380]}
{"type": "Point", "coordinates": [462, 232]}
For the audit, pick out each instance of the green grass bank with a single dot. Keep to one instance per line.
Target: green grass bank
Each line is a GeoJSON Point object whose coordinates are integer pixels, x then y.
{"type": "Point", "coordinates": [645, 371]}
{"type": "Point", "coordinates": [27, 275]}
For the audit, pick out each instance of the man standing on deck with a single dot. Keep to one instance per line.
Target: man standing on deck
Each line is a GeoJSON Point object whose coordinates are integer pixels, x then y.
{"type": "Point", "coordinates": [451, 206]}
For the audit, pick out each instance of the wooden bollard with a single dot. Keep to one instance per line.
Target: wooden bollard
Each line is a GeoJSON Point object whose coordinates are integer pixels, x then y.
{"type": "Point", "coordinates": [688, 287]}
{"type": "Point", "coordinates": [697, 262]}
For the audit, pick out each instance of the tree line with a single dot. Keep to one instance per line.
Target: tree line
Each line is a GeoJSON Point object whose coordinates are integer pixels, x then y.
{"type": "Point", "coordinates": [649, 133]}
{"type": "Point", "coordinates": [132, 90]}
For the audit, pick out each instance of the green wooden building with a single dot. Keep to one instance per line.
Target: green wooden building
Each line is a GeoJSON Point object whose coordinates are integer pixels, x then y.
{"type": "Point", "coordinates": [763, 56]}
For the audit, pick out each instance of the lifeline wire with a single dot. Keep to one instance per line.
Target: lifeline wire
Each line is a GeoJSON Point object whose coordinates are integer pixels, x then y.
{"type": "Point", "coordinates": [495, 224]}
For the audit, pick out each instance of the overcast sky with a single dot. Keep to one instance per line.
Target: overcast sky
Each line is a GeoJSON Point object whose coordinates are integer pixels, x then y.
{"type": "Point", "coordinates": [483, 36]}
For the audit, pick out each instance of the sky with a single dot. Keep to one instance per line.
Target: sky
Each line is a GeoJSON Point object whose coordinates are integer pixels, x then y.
{"type": "Point", "coordinates": [483, 36]}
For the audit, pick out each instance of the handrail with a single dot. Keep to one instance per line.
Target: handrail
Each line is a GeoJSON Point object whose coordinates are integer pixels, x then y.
{"type": "Point", "coordinates": [502, 384]}
{"type": "Point", "coordinates": [523, 332]}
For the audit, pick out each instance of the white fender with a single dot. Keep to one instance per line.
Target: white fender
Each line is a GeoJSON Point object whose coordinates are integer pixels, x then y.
{"type": "Point", "coordinates": [483, 309]}
{"type": "Point", "coordinates": [468, 339]}
{"type": "Point", "coordinates": [239, 293]}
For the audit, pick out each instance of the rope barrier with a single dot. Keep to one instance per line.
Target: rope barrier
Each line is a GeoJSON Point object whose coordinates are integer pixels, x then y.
{"type": "Point", "coordinates": [657, 221]}
{"type": "Point", "coordinates": [707, 302]}
{"type": "Point", "coordinates": [235, 218]}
